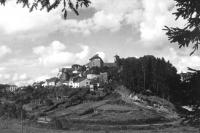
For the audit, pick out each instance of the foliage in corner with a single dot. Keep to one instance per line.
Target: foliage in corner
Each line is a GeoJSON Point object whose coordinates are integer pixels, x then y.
{"type": "Point", "coordinates": [189, 10]}
{"type": "Point", "coordinates": [46, 4]}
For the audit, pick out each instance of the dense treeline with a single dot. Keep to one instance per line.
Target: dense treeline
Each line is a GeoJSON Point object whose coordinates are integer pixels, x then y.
{"type": "Point", "coordinates": [190, 90]}
{"type": "Point", "coordinates": [146, 75]}
{"type": "Point", "coordinates": [158, 77]}
{"type": "Point", "coordinates": [149, 74]}
{"type": "Point", "coordinates": [190, 95]}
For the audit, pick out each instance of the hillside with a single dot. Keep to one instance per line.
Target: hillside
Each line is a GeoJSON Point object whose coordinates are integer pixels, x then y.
{"type": "Point", "coordinates": [116, 109]}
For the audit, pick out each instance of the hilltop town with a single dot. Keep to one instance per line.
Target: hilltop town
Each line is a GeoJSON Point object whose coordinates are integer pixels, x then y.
{"type": "Point", "coordinates": [92, 75]}
{"type": "Point", "coordinates": [54, 77]}
{"type": "Point", "coordinates": [99, 94]}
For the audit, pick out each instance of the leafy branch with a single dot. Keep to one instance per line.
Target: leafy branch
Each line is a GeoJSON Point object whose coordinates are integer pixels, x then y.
{"type": "Point", "coordinates": [45, 4]}
{"type": "Point", "coordinates": [190, 34]}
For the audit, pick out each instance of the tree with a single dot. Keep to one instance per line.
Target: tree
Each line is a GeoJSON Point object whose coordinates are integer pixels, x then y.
{"type": "Point", "coordinates": [189, 10]}
{"type": "Point", "coordinates": [46, 4]}
{"type": "Point", "coordinates": [48, 102]}
{"type": "Point", "coordinates": [151, 74]}
{"type": "Point", "coordinates": [189, 35]}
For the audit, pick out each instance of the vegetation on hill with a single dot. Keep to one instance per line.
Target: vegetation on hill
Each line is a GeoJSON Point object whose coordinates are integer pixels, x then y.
{"type": "Point", "coordinates": [50, 5]}
{"type": "Point", "coordinates": [149, 75]}
{"type": "Point", "coordinates": [187, 35]}
{"type": "Point", "coordinates": [147, 84]}
{"type": "Point", "coordinates": [153, 76]}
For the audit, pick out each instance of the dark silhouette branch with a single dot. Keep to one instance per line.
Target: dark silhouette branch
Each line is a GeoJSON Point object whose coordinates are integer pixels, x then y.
{"type": "Point", "coordinates": [45, 4]}
{"type": "Point", "coordinates": [190, 34]}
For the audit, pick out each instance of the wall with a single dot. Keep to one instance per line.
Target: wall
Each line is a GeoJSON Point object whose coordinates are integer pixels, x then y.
{"type": "Point", "coordinates": [85, 83]}
{"type": "Point", "coordinates": [95, 63]}
{"type": "Point", "coordinates": [92, 76]}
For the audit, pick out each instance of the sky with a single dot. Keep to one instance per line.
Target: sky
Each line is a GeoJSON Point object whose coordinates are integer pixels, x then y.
{"type": "Point", "coordinates": [33, 46]}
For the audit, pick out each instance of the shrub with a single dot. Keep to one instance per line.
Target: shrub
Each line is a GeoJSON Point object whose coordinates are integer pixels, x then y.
{"type": "Point", "coordinates": [57, 123]}
{"type": "Point", "coordinates": [48, 102]}
{"type": "Point", "coordinates": [12, 111]}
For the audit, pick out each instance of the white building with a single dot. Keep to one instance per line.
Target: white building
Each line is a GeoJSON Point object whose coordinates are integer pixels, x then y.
{"type": "Point", "coordinates": [12, 88]}
{"type": "Point", "coordinates": [92, 76]}
{"type": "Point", "coordinates": [79, 82]}
{"type": "Point", "coordinates": [52, 81]}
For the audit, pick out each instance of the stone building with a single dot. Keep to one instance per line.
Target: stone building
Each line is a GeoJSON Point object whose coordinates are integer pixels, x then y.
{"type": "Point", "coordinates": [95, 61]}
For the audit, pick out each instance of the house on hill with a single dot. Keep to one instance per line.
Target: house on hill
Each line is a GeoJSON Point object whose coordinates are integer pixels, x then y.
{"type": "Point", "coordinates": [92, 76]}
{"type": "Point", "coordinates": [95, 61]}
{"type": "Point", "coordinates": [11, 88]}
{"type": "Point", "coordinates": [110, 65]}
{"type": "Point", "coordinates": [94, 84]}
{"type": "Point", "coordinates": [38, 84]}
{"type": "Point", "coordinates": [103, 78]}
{"type": "Point", "coordinates": [186, 76]}
{"type": "Point", "coordinates": [79, 82]}
{"type": "Point", "coordinates": [52, 81]}
{"type": "Point", "coordinates": [81, 76]}
{"type": "Point", "coordinates": [64, 74]}
{"type": "Point", "coordinates": [76, 67]}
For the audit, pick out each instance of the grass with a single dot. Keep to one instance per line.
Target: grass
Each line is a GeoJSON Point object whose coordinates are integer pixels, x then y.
{"type": "Point", "coordinates": [112, 114]}
{"type": "Point", "coordinates": [14, 127]}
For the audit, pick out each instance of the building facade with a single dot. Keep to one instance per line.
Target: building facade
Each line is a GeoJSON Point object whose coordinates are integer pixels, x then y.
{"type": "Point", "coordinates": [95, 61]}
{"type": "Point", "coordinates": [12, 88]}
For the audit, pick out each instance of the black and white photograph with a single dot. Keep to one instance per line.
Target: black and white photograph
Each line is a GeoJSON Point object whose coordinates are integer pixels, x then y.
{"type": "Point", "coordinates": [99, 66]}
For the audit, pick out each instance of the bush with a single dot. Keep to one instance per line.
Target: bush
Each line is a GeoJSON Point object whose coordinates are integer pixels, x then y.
{"type": "Point", "coordinates": [48, 102]}
{"type": "Point", "coordinates": [57, 123]}
{"type": "Point", "coordinates": [12, 111]}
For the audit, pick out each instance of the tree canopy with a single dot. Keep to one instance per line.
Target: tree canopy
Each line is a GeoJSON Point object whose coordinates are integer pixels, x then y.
{"type": "Point", "coordinates": [149, 74]}
{"type": "Point", "coordinates": [73, 5]}
{"type": "Point", "coordinates": [187, 36]}
{"type": "Point", "coordinates": [189, 10]}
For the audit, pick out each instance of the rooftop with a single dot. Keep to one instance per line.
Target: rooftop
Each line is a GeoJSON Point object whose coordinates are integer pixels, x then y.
{"type": "Point", "coordinates": [54, 79]}
{"type": "Point", "coordinates": [79, 79]}
{"type": "Point", "coordinates": [109, 64]}
{"type": "Point", "coordinates": [96, 57]}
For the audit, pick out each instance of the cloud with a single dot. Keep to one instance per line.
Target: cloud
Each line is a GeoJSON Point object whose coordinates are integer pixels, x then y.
{"type": "Point", "coordinates": [19, 77]}
{"type": "Point", "coordinates": [102, 55]}
{"type": "Point", "coordinates": [15, 78]}
{"type": "Point", "coordinates": [157, 14]}
{"type": "Point", "coordinates": [6, 76]}
{"type": "Point", "coordinates": [103, 20]}
{"type": "Point", "coordinates": [56, 54]}
{"type": "Point", "coordinates": [181, 62]}
{"type": "Point", "coordinates": [148, 16]}
{"type": "Point", "coordinates": [14, 18]}
{"type": "Point", "coordinates": [19, 71]}
{"type": "Point", "coordinates": [43, 63]}
{"type": "Point", "coordinates": [110, 15]}
{"type": "Point", "coordinates": [4, 50]}
{"type": "Point", "coordinates": [41, 78]}
{"type": "Point", "coordinates": [126, 10]}
{"type": "Point", "coordinates": [83, 53]}
{"type": "Point", "coordinates": [2, 69]}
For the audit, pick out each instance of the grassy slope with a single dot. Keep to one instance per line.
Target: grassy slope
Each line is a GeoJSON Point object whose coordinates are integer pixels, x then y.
{"type": "Point", "coordinates": [116, 110]}
{"type": "Point", "coordinates": [13, 126]}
